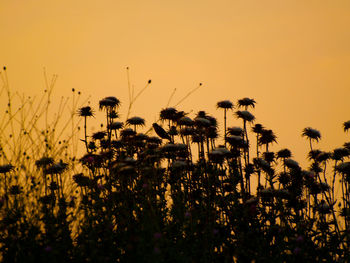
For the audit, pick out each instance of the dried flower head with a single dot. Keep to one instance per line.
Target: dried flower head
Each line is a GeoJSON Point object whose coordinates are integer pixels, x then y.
{"type": "Point", "coordinates": [246, 102]}
{"type": "Point", "coordinates": [85, 112]}
{"type": "Point", "coordinates": [109, 102]}
{"type": "Point", "coordinates": [245, 115]}
{"type": "Point", "coordinates": [137, 121]}
{"type": "Point", "coordinates": [224, 104]}
{"type": "Point", "coordinates": [311, 133]}
{"type": "Point", "coordinates": [346, 126]}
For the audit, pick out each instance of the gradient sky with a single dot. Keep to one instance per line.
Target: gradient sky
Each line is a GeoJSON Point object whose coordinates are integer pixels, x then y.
{"type": "Point", "coordinates": [291, 56]}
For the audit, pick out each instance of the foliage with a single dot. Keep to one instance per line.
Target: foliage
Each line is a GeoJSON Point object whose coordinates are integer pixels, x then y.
{"type": "Point", "coordinates": [186, 198]}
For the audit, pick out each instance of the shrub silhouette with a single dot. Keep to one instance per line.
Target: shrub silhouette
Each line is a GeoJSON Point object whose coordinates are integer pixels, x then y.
{"type": "Point", "coordinates": [143, 198]}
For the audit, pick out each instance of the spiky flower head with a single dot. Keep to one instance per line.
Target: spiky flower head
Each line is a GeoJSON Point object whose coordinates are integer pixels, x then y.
{"type": "Point", "coordinates": [185, 121]}
{"type": "Point", "coordinates": [284, 153]}
{"type": "Point", "coordinates": [138, 121]}
{"type": "Point", "coordinates": [168, 114]}
{"type": "Point", "coordinates": [237, 131]}
{"type": "Point", "coordinates": [127, 132]}
{"type": "Point", "coordinates": [267, 136]}
{"type": "Point", "coordinates": [339, 153]}
{"type": "Point", "coordinates": [186, 131]}
{"type": "Point", "coordinates": [311, 133]}
{"type": "Point", "coordinates": [246, 102]}
{"type": "Point", "coordinates": [213, 120]}
{"type": "Point", "coordinates": [202, 122]}
{"type": "Point", "coordinates": [113, 114]}
{"type": "Point", "coordinates": [245, 115]}
{"type": "Point", "coordinates": [85, 112]}
{"type": "Point", "coordinates": [346, 126]}
{"type": "Point", "coordinates": [258, 128]}
{"type": "Point", "coordinates": [116, 125]}
{"type": "Point", "coordinates": [99, 135]}
{"type": "Point", "coordinates": [343, 168]}
{"type": "Point", "coordinates": [109, 102]}
{"type": "Point", "coordinates": [225, 104]}
{"type": "Point", "coordinates": [291, 164]}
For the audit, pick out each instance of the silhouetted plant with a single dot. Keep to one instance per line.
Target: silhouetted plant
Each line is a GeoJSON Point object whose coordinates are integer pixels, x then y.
{"type": "Point", "coordinates": [134, 197]}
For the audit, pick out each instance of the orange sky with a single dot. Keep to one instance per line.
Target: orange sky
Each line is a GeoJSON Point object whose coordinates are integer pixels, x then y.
{"type": "Point", "coordinates": [292, 57]}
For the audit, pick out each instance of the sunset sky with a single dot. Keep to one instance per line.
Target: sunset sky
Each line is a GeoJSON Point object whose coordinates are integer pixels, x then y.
{"type": "Point", "coordinates": [292, 57]}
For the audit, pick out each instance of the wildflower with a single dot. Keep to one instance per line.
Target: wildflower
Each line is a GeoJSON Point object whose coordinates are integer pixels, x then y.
{"type": "Point", "coordinates": [313, 154]}
{"type": "Point", "coordinates": [168, 114]}
{"type": "Point", "coordinates": [141, 137]}
{"type": "Point", "coordinates": [116, 125]}
{"type": "Point", "coordinates": [246, 102]}
{"type": "Point", "coordinates": [323, 156]}
{"type": "Point", "coordinates": [224, 150]}
{"type": "Point", "coordinates": [235, 141]}
{"type": "Point", "coordinates": [213, 121]}
{"type": "Point", "coordinates": [109, 102]}
{"type": "Point", "coordinates": [282, 193]}
{"type": "Point", "coordinates": [202, 122]}
{"type": "Point", "coordinates": [225, 104]}
{"type": "Point", "coordinates": [237, 131]}
{"type": "Point", "coordinates": [343, 168]}
{"type": "Point", "coordinates": [269, 156]}
{"type": "Point", "coordinates": [216, 156]}
{"type": "Point", "coordinates": [92, 146]}
{"type": "Point", "coordinates": [85, 112]}
{"type": "Point", "coordinates": [339, 153]}
{"type": "Point", "coordinates": [346, 126]}
{"type": "Point", "coordinates": [291, 164]}
{"type": "Point", "coordinates": [99, 135]}
{"type": "Point", "coordinates": [311, 134]}
{"type": "Point", "coordinates": [81, 180]}
{"type": "Point", "coordinates": [185, 121]}
{"type": "Point", "coordinates": [266, 137]}
{"type": "Point", "coordinates": [173, 131]}
{"type": "Point", "coordinates": [113, 114]}
{"type": "Point", "coordinates": [137, 121]}
{"type": "Point", "coordinates": [245, 115]}
{"type": "Point", "coordinates": [258, 128]}
{"type": "Point", "coordinates": [5, 168]}
{"type": "Point", "coordinates": [261, 163]}
{"type": "Point", "coordinates": [186, 131]}
{"type": "Point", "coordinates": [154, 139]}
{"type": "Point", "coordinates": [212, 132]}
{"type": "Point", "coordinates": [283, 178]}
{"type": "Point", "coordinates": [284, 153]}
{"type": "Point", "coordinates": [127, 132]}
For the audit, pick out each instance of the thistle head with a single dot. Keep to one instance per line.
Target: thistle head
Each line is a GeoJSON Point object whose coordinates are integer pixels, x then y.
{"type": "Point", "coordinates": [85, 112]}
{"type": "Point", "coordinates": [224, 104]}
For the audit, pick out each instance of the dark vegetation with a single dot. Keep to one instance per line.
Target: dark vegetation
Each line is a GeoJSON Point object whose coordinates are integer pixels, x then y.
{"type": "Point", "coordinates": [183, 195]}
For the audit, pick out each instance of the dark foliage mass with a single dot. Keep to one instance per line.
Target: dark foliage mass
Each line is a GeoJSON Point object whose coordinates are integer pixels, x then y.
{"type": "Point", "coordinates": [186, 194]}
